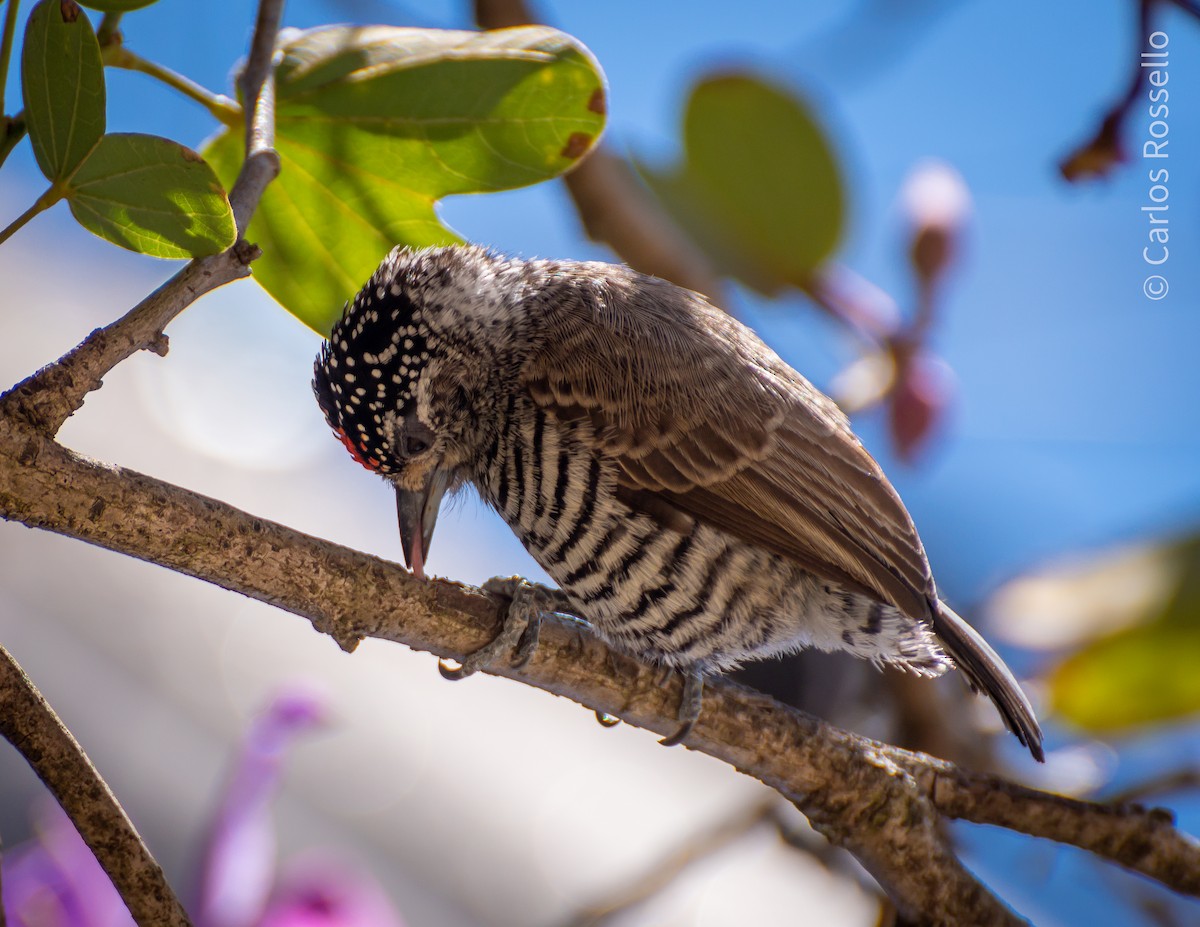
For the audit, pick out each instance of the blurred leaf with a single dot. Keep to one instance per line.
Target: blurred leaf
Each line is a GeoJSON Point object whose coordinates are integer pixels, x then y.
{"type": "Point", "coordinates": [375, 124]}
{"type": "Point", "coordinates": [117, 6]}
{"type": "Point", "coordinates": [63, 84]}
{"type": "Point", "coordinates": [1146, 673]}
{"type": "Point", "coordinates": [760, 189]}
{"type": "Point", "coordinates": [152, 195]}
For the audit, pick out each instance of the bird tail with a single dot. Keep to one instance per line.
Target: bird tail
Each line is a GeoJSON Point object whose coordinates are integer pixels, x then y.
{"type": "Point", "coordinates": [987, 673]}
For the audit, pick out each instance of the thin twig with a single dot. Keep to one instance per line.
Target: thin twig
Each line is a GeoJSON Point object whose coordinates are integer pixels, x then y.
{"type": "Point", "coordinates": [40, 205]}
{"type": "Point", "coordinates": [1105, 141]}
{"type": "Point", "coordinates": [1176, 780]}
{"type": "Point", "coordinates": [47, 398]}
{"type": "Point", "coordinates": [219, 105]}
{"type": "Point", "coordinates": [31, 725]}
{"type": "Point", "coordinates": [1143, 840]}
{"type": "Point", "coordinates": [696, 848]}
{"type": "Point", "coordinates": [109, 32]}
{"type": "Point", "coordinates": [257, 84]}
{"type": "Point", "coordinates": [6, 45]}
{"type": "Point", "coordinates": [618, 211]}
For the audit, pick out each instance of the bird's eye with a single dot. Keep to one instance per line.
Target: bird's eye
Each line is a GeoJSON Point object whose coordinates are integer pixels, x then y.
{"type": "Point", "coordinates": [410, 447]}
{"type": "Point", "coordinates": [414, 437]}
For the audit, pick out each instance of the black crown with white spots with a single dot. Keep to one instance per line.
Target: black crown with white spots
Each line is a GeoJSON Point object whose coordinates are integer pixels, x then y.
{"type": "Point", "coordinates": [366, 373]}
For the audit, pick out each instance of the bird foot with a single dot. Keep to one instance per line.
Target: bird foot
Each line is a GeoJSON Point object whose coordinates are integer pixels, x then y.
{"type": "Point", "coordinates": [689, 707]}
{"type": "Point", "coordinates": [522, 623]}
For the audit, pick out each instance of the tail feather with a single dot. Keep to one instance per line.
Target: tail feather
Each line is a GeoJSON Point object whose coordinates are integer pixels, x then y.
{"type": "Point", "coordinates": [987, 673]}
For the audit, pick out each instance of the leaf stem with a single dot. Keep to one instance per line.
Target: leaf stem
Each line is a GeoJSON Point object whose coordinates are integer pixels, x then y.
{"type": "Point", "coordinates": [223, 108]}
{"type": "Point", "coordinates": [43, 202]}
{"type": "Point", "coordinates": [6, 44]}
{"type": "Point", "coordinates": [12, 130]}
{"type": "Point", "coordinates": [108, 33]}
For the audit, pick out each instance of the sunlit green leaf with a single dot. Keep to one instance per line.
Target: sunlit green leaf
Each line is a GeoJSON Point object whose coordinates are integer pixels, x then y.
{"type": "Point", "coordinates": [1145, 673]}
{"type": "Point", "coordinates": [152, 195]}
{"type": "Point", "coordinates": [759, 188]}
{"type": "Point", "coordinates": [376, 124]}
{"type": "Point", "coordinates": [63, 83]}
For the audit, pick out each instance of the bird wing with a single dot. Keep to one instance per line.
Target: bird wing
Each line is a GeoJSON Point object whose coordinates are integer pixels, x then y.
{"type": "Point", "coordinates": [706, 422]}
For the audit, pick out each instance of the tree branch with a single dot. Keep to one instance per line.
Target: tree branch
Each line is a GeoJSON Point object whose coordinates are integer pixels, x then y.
{"type": "Point", "coordinates": [1143, 840]}
{"type": "Point", "coordinates": [31, 725]}
{"type": "Point", "coordinates": [881, 803]}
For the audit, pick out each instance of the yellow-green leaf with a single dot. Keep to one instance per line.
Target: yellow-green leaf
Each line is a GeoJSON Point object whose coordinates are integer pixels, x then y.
{"type": "Point", "coordinates": [1148, 672]}
{"type": "Point", "coordinates": [62, 80]}
{"type": "Point", "coordinates": [152, 195]}
{"type": "Point", "coordinates": [375, 124]}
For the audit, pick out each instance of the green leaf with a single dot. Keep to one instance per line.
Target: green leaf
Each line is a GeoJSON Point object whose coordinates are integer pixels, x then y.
{"type": "Point", "coordinates": [759, 189]}
{"type": "Point", "coordinates": [63, 83]}
{"type": "Point", "coordinates": [375, 124]}
{"type": "Point", "coordinates": [1143, 674]}
{"type": "Point", "coordinates": [152, 195]}
{"type": "Point", "coordinates": [117, 6]}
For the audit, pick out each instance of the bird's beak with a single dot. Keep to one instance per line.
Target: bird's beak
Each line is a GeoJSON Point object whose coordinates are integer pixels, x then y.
{"type": "Point", "coordinates": [417, 511]}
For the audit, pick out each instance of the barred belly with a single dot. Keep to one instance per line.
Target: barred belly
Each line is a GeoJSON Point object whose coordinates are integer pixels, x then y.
{"type": "Point", "coordinates": [698, 598]}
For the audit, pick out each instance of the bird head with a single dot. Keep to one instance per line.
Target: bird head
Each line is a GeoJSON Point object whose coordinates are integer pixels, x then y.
{"type": "Point", "coordinates": [403, 375]}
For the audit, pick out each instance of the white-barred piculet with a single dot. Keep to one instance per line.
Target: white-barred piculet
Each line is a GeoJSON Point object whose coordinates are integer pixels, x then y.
{"type": "Point", "coordinates": [698, 502]}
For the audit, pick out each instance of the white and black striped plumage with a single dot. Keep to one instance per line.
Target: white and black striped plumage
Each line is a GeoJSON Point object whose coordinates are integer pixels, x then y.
{"type": "Point", "coordinates": [698, 501]}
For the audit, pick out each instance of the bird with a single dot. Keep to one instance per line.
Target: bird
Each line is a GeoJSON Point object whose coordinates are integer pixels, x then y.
{"type": "Point", "coordinates": [697, 501]}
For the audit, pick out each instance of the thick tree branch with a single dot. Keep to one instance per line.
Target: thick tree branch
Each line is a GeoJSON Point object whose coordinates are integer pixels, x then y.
{"type": "Point", "coordinates": [850, 789]}
{"type": "Point", "coordinates": [31, 725]}
{"type": "Point", "coordinates": [881, 803]}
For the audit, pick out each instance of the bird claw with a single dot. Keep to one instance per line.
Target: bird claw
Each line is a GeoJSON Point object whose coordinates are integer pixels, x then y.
{"type": "Point", "coordinates": [527, 602]}
{"type": "Point", "coordinates": [690, 703]}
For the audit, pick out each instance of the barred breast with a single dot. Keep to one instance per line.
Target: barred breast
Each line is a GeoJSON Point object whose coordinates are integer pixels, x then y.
{"type": "Point", "coordinates": [686, 595]}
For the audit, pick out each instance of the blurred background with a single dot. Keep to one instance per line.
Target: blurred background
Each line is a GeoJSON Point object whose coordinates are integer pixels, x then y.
{"type": "Point", "coordinates": [1053, 477]}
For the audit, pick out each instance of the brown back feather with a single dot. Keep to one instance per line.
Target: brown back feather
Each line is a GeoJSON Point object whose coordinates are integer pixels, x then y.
{"type": "Point", "coordinates": [704, 418]}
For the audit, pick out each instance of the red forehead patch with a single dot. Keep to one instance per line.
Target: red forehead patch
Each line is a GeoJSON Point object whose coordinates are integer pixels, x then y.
{"type": "Point", "coordinates": [355, 451]}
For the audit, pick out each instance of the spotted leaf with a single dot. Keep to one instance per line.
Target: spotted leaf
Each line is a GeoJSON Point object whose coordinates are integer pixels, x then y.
{"type": "Point", "coordinates": [376, 124]}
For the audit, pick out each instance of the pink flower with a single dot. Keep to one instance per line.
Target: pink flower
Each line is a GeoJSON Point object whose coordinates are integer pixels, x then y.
{"type": "Point", "coordinates": [55, 881]}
